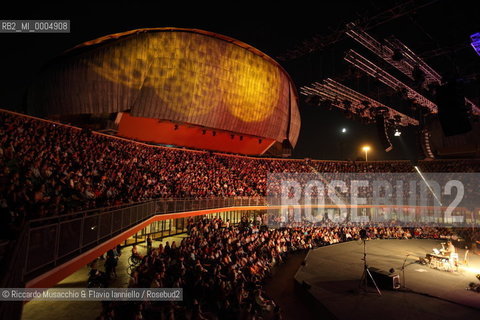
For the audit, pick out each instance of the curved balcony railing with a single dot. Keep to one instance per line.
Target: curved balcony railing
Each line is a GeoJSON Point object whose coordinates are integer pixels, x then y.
{"type": "Point", "coordinates": [48, 242]}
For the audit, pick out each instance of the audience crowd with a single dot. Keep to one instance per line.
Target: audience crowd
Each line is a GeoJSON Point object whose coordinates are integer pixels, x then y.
{"type": "Point", "coordinates": [48, 168]}
{"type": "Point", "coordinates": [222, 268]}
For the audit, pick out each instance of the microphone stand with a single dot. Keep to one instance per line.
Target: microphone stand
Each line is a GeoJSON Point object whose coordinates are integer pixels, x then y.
{"type": "Point", "coordinates": [403, 272]}
{"type": "Point", "coordinates": [366, 273]}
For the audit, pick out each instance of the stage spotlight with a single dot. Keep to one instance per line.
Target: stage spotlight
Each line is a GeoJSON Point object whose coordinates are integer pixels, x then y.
{"type": "Point", "coordinates": [366, 105]}
{"type": "Point", "coordinates": [397, 133]}
{"type": "Point", "coordinates": [347, 104]}
{"type": "Point", "coordinates": [397, 55]}
{"type": "Point", "coordinates": [344, 130]}
{"type": "Point", "coordinates": [309, 99]}
{"type": "Point", "coordinates": [418, 75]}
{"type": "Point", "coordinates": [327, 104]}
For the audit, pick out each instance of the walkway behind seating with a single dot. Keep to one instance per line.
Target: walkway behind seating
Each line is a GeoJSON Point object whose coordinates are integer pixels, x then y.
{"type": "Point", "coordinates": [84, 310]}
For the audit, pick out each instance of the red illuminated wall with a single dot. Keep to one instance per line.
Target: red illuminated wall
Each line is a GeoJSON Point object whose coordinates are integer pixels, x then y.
{"type": "Point", "coordinates": [152, 130]}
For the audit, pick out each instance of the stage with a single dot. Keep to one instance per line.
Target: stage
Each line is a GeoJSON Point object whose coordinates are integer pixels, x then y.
{"type": "Point", "coordinates": [331, 275]}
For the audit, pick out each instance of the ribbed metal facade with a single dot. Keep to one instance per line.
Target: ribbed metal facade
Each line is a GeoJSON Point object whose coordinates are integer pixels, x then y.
{"type": "Point", "coordinates": [181, 75]}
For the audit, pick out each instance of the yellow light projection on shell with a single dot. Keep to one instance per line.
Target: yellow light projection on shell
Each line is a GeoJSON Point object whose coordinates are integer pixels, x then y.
{"type": "Point", "coordinates": [254, 91]}
{"type": "Point", "coordinates": [128, 65]}
{"type": "Point", "coordinates": [194, 74]}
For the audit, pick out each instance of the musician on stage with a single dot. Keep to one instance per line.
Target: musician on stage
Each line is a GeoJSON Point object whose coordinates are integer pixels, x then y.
{"type": "Point", "coordinates": [450, 248]}
{"type": "Point", "coordinates": [453, 260]}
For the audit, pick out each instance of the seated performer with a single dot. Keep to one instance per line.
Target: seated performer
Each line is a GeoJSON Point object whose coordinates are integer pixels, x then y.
{"type": "Point", "coordinates": [443, 250]}
{"type": "Point", "coordinates": [450, 247]}
{"type": "Point", "coordinates": [453, 260]}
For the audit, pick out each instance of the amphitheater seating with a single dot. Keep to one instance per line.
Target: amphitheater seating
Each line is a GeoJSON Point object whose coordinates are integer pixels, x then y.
{"type": "Point", "coordinates": [47, 168]}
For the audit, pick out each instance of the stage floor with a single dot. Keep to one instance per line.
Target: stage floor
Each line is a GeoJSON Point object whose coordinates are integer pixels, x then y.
{"type": "Point", "coordinates": [334, 272]}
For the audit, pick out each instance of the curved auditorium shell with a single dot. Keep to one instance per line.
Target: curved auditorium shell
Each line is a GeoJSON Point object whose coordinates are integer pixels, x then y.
{"type": "Point", "coordinates": [174, 86]}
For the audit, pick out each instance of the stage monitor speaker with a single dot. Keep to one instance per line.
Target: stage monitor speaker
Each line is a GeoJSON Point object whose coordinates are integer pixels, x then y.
{"type": "Point", "coordinates": [452, 111]}
{"type": "Point", "coordinates": [385, 279]}
{"type": "Point", "coordinates": [382, 133]}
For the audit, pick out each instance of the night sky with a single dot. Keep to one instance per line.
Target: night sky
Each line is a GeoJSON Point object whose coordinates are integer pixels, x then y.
{"type": "Point", "coordinates": [444, 26]}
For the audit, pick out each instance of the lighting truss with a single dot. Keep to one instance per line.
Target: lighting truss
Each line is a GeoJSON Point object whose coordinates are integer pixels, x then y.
{"type": "Point", "coordinates": [431, 76]}
{"type": "Point", "coordinates": [319, 42]}
{"type": "Point", "coordinates": [380, 50]}
{"type": "Point", "coordinates": [476, 42]}
{"type": "Point", "coordinates": [475, 108]}
{"type": "Point", "coordinates": [375, 71]}
{"type": "Point", "coordinates": [337, 93]}
{"type": "Point", "coordinates": [408, 63]}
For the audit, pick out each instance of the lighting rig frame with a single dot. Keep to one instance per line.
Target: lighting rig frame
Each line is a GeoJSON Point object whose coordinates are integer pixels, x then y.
{"type": "Point", "coordinates": [359, 104]}
{"type": "Point", "coordinates": [476, 42]}
{"type": "Point", "coordinates": [407, 65]}
{"type": "Point", "coordinates": [383, 76]}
